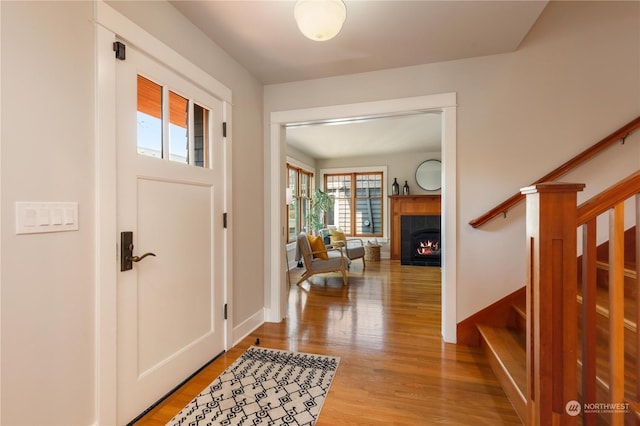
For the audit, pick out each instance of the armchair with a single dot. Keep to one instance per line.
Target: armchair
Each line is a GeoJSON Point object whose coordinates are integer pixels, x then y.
{"type": "Point", "coordinates": [320, 260]}
{"type": "Point", "coordinates": [353, 247]}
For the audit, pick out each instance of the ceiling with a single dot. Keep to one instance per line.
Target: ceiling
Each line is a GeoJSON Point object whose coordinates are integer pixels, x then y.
{"type": "Point", "coordinates": [263, 37]}
{"type": "Point", "coordinates": [373, 136]}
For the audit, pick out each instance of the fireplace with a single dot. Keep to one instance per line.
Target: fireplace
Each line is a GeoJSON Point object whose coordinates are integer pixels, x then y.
{"type": "Point", "coordinates": [420, 242]}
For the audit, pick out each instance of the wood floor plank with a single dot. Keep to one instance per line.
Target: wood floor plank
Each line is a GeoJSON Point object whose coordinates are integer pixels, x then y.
{"type": "Point", "coordinates": [394, 368]}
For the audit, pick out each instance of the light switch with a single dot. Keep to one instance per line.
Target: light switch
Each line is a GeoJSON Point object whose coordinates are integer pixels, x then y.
{"type": "Point", "coordinates": [69, 217]}
{"type": "Point", "coordinates": [56, 216]}
{"type": "Point", "coordinates": [43, 217]}
{"type": "Point", "coordinates": [40, 217]}
{"type": "Point", "coordinates": [30, 217]}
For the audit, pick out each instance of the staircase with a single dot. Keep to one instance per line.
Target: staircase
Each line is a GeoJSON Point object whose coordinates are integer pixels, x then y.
{"type": "Point", "coordinates": [507, 353]}
{"type": "Point", "coordinates": [565, 347]}
{"type": "Point", "coordinates": [604, 291]}
{"type": "Point", "coordinates": [506, 346]}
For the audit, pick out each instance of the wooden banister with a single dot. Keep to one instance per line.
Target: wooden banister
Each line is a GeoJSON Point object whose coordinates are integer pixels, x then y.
{"type": "Point", "coordinates": [587, 154]}
{"type": "Point", "coordinates": [551, 303]}
{"type": "Point", "coordinates": [608, 198]}
{"type": "Point", "coordinates": [551, 329]}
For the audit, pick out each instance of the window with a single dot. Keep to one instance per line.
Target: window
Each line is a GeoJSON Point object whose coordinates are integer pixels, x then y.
{"type": "Point", "coordinates": [357, 208]}
{"type": "Point", "coordinates": [149, 118]}
{"type": "Point", "coordinates": [300, 185]}
{"type": "Point", "coordinates": [185, 139]}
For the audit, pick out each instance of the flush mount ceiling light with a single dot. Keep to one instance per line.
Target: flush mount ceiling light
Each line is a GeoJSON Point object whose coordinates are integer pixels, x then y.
{"type": "Point", "coordinates": [320, 20]}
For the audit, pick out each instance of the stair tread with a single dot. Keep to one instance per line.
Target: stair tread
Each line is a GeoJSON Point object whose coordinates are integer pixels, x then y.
{"type": "Point", "coordinates": [634, 407]}
{"type": "Point", "coordinates": [509, 347]}
{"type": "Point", "coordinates": [602, 306]}
{"type": "Point", "coordinates": [629, 251]}
{"type": "Point", "coordinates": [629, 268]}
{"type": "Point", "coordinates": [510, 336]}
{"type": "Point", "coordinates": [520, 306]}
{"type": "Point", "coordinates": [602, 354]}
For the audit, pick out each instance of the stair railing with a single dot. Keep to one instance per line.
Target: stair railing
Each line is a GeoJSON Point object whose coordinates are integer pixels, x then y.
{"type": "Point", "coordinates": [502, 208]}
{"type": "Point", "coordinates": [611, 200]}
{"type": "Point", "coordinates": [552, 312]}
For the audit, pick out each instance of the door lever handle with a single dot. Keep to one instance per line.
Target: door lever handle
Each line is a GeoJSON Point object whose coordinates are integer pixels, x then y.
{"type": "Point", "coordinates": [138, 259]}
{"type": "Point", "coordinates": [126, 251]}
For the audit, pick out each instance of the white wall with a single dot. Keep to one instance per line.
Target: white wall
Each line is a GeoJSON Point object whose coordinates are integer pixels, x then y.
{"type": "Point", "coordinates": [574, 80]}
{"type": "Point", "coordinates": [48, 308]}
{"type": "Point", "coordinates": [48, 301]}
{"type": "Point", "coordinates": [300, 158]}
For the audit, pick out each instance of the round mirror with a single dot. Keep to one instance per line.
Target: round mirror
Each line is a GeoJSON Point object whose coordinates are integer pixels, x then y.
{"type": "Point", "coordinates": [428, 175]}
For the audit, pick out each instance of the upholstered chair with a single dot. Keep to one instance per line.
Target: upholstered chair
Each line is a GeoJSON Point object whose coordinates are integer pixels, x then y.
{"type": "Point", "coordinates": [317, 259]}
{"type": "Point", "coordinates": [353, 247]}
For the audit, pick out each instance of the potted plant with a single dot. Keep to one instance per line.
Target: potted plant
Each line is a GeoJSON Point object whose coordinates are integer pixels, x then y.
{"type": "Point", "coordinates": [320, 203]}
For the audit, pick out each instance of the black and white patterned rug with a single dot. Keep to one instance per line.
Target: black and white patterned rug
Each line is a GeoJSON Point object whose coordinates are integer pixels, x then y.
{"type": "Point", "coordinates": [263, 387]}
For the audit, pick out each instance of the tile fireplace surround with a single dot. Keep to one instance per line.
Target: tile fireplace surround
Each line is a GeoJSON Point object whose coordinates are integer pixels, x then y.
{"type": "Point", "coordinates": [409, 205]}
{"type": "Point", "coordinates": [420, 242]}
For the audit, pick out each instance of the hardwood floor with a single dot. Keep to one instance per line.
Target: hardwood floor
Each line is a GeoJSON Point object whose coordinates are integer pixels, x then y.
{"type": "Point", "coordinates": [394, 368]}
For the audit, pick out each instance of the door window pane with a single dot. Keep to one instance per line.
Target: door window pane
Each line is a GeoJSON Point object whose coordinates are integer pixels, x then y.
{"type": "Point", "coordinates": [200, 136]}
{"type": "Point", "coordinates": [186, 141]}
{"type": "Point", "coordinates": [178, 124]}
{"type": "Point", "coordinates": [149, 118]}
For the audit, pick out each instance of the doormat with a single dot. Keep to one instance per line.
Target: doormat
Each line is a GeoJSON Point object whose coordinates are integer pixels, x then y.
{"type": "Point", "coordinates": [264, 387]}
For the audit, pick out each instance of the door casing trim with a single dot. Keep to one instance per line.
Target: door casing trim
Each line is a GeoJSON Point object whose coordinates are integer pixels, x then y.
{"type": "Point", "coordinates": [108, 23]}
{"type": "Point", "coordinates": [275, 220]}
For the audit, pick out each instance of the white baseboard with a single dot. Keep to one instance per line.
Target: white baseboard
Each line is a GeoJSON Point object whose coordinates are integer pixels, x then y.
{"type": "Point", "coordinates": [247, 327]}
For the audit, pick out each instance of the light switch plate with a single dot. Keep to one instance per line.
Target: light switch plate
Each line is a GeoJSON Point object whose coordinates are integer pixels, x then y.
{"type": "Point", "coordinates": [41, 217]}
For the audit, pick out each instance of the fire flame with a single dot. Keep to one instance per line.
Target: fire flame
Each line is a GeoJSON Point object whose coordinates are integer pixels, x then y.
{"type": "Point", "coordinates": [428, 247]}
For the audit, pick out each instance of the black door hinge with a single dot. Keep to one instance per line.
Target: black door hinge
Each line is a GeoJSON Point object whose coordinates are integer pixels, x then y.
{"type": "Point", "coordinates": [224, 220]}
{"type": "Point", "coordinates": [120, 50]}
{"type": "Point", "coordinates": [224, 129]}
{"type": "Point", "coordinates": [225, 311]}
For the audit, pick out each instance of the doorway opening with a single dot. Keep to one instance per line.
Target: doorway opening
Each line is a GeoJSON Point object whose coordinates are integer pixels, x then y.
{"type": "Point", "coordinates": [275, 239]}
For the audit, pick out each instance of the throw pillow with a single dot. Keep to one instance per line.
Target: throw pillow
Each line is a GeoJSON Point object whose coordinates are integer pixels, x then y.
{"type": "Point", "coordinates": [317, 244]}
{"type": "Point", "coordinates": [338, 238]}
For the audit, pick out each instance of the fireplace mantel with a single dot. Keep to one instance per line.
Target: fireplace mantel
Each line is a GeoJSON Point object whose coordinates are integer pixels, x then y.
{"type": "Point", "coordinates": [402, 205]}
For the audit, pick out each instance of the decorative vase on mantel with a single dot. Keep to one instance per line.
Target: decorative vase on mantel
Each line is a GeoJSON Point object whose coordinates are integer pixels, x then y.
{"type": "Point", "coordinates": [405, 188]}
{"type": "Point", "coordinates": [395, 187]}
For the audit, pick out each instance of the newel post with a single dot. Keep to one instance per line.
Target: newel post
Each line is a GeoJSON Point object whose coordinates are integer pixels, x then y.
{"type": "Point", "coordinates": [551, 303]}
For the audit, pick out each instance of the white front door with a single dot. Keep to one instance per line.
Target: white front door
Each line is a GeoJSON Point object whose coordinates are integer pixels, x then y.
{"type": "Point", "coordinates": [170, 195]}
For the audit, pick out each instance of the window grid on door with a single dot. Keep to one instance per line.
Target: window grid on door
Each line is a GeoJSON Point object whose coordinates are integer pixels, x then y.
{"type": "Point", "coordinates": [171, 126]}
